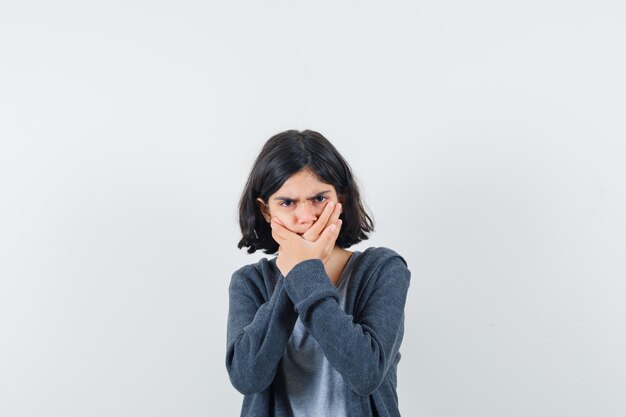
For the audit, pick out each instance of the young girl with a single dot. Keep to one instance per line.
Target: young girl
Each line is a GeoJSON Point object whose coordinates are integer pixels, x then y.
{"type": "Point", "coordinates": [315, 331]}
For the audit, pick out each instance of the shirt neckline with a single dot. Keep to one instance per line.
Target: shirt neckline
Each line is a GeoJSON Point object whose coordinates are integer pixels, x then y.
{"type": "Point", "coordinates": [347, 268]}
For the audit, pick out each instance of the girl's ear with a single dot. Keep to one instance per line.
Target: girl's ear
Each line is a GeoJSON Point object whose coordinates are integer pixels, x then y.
{"type": "Point", "coordinates": [264, 209]}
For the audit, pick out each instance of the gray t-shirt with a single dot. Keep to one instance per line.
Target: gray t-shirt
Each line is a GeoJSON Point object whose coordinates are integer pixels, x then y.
{"type": "Point", "coordinates": [313, 386]}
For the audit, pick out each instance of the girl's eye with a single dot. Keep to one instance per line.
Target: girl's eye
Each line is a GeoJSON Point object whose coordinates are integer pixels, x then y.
{"type": "Point", "coordinates": [286, 203]}
{"type": "Point", "coordinates": [320, 199]}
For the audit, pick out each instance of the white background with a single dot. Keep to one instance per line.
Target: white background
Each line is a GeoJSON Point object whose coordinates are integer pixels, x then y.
{"type": "Point", "coordinates": [488, 138]}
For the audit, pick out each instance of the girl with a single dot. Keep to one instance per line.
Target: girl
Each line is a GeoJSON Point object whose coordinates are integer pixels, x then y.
{"type": "Point", "coordinates": [315, 331]}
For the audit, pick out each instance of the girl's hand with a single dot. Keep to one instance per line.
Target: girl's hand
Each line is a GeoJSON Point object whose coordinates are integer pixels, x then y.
{"type": "Point", "coordinates": [329, 216]}
{"type": "Point", "coordinates": [295, 249]}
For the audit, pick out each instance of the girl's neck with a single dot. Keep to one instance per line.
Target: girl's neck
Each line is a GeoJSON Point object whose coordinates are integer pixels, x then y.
{"type": "Point", "coordinates": [336, 264]}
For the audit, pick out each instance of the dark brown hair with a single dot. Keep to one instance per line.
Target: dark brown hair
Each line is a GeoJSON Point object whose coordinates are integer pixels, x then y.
{"type": "Point", "coordinates": [283, 155]}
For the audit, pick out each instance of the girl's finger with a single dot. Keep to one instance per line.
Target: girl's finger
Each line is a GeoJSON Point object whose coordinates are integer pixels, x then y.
{"type": "Point", "coordinates": [331, 233]}
{"type": "Point", "coordinates": [320, 223]}
{"type": "Point", "coordinates": [278, 230]}
{"type": "Point", "coordinates": [334, 220]}
{"type": "Point", "coordinates": [336, 213]}
{"type": "Point", "coordinates": [277, 237]}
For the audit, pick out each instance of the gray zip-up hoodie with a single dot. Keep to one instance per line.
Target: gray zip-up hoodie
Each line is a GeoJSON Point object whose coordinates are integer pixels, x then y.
{"type": "Point", "coordinates": [362, 345]}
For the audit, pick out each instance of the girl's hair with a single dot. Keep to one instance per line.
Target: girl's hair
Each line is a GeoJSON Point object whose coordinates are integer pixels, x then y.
{"type": "Point", "coordinates": [283, 155]}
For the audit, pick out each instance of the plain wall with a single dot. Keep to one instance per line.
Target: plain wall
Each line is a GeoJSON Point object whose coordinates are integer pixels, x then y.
{"type": "Point", "coordinates": [487, 136]}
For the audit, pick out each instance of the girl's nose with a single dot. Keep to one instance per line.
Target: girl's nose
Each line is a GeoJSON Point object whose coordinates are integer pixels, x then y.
{"type": "Point", "coordinates": [306, 213]}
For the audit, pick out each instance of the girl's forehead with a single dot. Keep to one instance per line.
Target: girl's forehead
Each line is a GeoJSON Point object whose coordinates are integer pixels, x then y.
{"type": "Point", "coordinates": [304, 183]}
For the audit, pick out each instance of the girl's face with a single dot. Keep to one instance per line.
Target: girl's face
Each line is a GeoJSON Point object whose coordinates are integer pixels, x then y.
{"type": "Point", "coordinates": [299, 202]}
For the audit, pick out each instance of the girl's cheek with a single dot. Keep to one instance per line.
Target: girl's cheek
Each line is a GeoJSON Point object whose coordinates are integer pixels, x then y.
{"type": "Point", "coordinates": [285, 220]}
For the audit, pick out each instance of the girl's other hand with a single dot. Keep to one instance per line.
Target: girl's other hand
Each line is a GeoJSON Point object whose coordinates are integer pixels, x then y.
{"type": "Point", "coordinates": [330, 215]}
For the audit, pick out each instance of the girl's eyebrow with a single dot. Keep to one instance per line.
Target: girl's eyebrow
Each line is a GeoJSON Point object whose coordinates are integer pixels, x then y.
{"type": "Point", "coordinates": [321, 193]}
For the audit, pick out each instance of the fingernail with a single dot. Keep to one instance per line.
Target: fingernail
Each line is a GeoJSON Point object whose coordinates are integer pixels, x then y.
{"type": "Point", "coordinates": [332, 228]}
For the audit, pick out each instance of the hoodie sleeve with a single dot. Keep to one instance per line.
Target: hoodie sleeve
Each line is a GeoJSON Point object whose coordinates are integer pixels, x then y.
{"type": "Point", "coordinates": [361, 351]}
{"type": "Point", "coordinates": [257, 332]}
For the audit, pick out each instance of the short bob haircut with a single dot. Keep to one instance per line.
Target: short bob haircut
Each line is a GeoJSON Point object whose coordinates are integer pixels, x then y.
{"type": "Point", "coordinates": [283, 155]}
